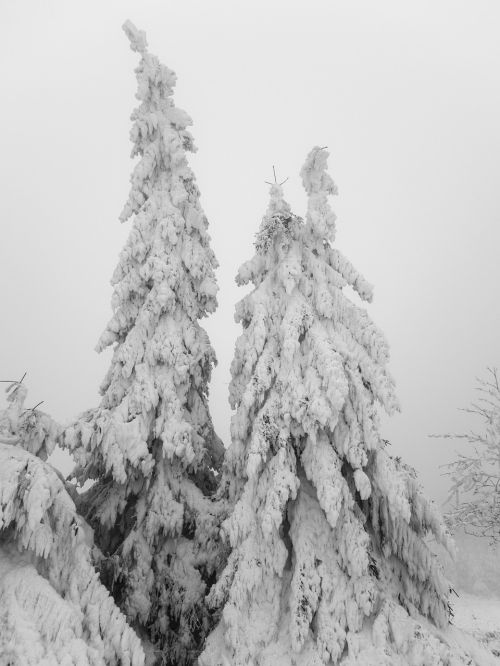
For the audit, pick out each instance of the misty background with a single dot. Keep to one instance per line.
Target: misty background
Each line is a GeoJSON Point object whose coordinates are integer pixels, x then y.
{"type": "Point", "coordinates": [405, 95]}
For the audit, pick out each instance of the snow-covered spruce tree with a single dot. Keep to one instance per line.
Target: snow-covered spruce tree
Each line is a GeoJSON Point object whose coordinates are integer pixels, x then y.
{"type": "Point", "coordinates": [53, 608]}
{"type": "Point", "coordinates": [150, 445]}
{"type": "Point", "coordinates": [328, 561]}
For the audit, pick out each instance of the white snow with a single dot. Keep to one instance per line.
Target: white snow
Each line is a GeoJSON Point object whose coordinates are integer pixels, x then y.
{"type": "Point", "coordinates": [480, 616]}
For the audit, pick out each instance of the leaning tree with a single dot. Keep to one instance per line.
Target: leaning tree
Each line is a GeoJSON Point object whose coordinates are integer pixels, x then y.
{"type": "Point", "coordinates": [150, 445]}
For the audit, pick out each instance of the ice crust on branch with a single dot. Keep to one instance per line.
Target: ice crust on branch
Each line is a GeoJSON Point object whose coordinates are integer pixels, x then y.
{"type": "Point", "coordinates": [150, 444]}
{"type": "Point", "coordinates": [328, 562]}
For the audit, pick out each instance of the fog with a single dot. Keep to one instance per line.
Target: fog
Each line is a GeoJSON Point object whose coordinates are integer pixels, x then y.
{"type": "Point", "coordinates": [405, 95]}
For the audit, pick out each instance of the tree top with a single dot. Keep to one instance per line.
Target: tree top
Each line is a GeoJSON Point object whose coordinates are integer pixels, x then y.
{"type": "Point", "coordinates": [138, 41]}
{"type": "Point", "coordinates": [314, 175]}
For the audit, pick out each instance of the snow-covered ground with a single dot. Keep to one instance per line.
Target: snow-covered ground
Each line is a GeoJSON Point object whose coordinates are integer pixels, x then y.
{"type": "Point", "coordinates": [479, 616]}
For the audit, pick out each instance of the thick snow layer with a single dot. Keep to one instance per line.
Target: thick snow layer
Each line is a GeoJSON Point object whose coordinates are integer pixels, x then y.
{"type": "Point", "coordinates": [476, 569]}
{"type": "Point", "coordinates": [37, 625]}
{"type": "Point", "coordinates": [53, 608]}
{"type": "Point", "coordinates": [480, 616]}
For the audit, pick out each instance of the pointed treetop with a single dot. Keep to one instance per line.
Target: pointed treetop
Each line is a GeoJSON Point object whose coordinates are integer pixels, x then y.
{"type": "Point", "coordinates": [138, 41]}
{"type": "Point", "coordinates": [277, 204]}
{"type": "Point", "coordinates": [314, 175]}
{"type": "Point", "coordinates": [275, 179]}
{"type": "Point", "coordinates": [278, 219]}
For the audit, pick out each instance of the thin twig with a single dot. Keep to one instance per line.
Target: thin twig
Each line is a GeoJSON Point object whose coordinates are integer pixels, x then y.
{"type": "Point", "coordinates": [33, 408]}
{"type": "Point", "coordinates": [275, 179]}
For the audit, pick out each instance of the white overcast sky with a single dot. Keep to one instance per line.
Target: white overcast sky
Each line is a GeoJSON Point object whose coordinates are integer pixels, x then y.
{"type": "Point", "coordinates": [406, 95]}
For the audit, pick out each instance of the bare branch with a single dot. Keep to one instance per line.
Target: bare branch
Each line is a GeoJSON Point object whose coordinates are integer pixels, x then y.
{"type": "Point", "coordinates": [476, 475]}
{"type": "Point", "coordinates": [37, 405]}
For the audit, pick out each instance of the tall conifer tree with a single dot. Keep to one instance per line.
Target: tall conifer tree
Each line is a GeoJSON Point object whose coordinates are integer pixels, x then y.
{"type": "Point", "coordinates": [150, 445]}
{"type": "Point", "coordinates": [328, 560]}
